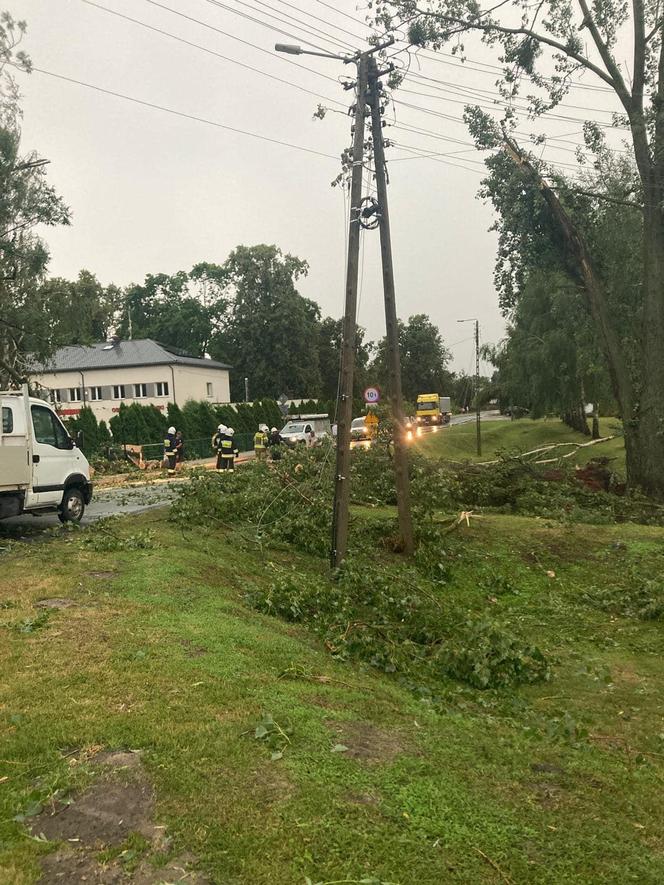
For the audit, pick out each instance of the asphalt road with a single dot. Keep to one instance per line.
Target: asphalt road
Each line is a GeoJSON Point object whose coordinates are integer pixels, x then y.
{"type": "Point", "coordinates": [470, 416]}
{"type": "Point", "coordinates": [105, 502]}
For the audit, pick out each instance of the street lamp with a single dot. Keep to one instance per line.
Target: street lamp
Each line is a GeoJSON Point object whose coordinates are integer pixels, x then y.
{"type": "Point", "coordinates": [477, 380]}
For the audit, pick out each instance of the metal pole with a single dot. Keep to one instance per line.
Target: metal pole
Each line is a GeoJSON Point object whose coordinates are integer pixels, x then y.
{"type": "Point", "coordinates": [246, 390]}
{"type": "Point", "coordinates": [340, 514]}
{"type": "Point", "coordinates": [392, 327]}
{"type": "Point", "coordinates": [477, 386]}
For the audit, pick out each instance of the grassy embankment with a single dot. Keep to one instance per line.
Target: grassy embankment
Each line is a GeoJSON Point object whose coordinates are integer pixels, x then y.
{"type": "Point", "coordinates": [552, 783]}
{"type": "Point", "coordinates": [458, 442]}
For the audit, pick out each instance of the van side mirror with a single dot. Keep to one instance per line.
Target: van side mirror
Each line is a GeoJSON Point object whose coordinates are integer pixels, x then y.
{"type": "Point", "coordinates": [79, 439]}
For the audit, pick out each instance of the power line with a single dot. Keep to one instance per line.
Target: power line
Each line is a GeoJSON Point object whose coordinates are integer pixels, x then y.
{"type": "Point", "coordinates": [280, 15]}
{"type": "Point", "coordinates": [209, 51]}
{"type": "Point", "coordinates": [323, 20]}
{"type": "Point", "coordinates": [265, 24]}
{"type": "Point", "coordinates": [157, 107]}
{"type": "Point", "coordinates": [489, 94]}
{"type": "Point", "coordinates": [268, 52]}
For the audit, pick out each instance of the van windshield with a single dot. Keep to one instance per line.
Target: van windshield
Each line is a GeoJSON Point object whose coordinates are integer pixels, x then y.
{"type": "Point", "coordinates": [293, 428]}
{"type": "Point", "coordinates": [358, 424]}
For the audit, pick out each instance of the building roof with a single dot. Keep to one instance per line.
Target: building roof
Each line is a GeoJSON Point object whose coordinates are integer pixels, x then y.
{"type": "Point", "coordinates": [121, 354]}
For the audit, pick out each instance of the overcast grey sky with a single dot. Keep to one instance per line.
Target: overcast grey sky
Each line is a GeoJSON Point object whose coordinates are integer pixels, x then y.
{"type": "Point", "coordinates": [153, 192]}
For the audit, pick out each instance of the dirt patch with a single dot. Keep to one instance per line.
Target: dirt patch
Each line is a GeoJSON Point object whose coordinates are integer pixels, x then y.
{"type": "Point", "coordinates": [119, 805]}
{"type": "Point", "coordinates": [103, 575]}
{"type": "Point", "coordinates": [105, 814]}
{"type": "Point", "coordinates": [319, 700]}
{"type": "Point", "coordinates": [55, 602]}
{"type": "Point", "coordinates": [546, 768]}
{"type": "Point", "coordinates": [367, 742]}
{"type": "Point", "coordinates": [625, 674]}
{"type": "Point", "coordinates": [75, 868]}
{"type": "Point", "coordinates": [193, 650]}
{"type": "Point", "coordinates": [548, 795]}
{"type": "Point", "coordinates": [361, 798]}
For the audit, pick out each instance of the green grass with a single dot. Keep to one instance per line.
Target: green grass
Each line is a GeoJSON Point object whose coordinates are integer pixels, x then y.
{"type": "Point", "coordinates": [553, 783]}
{"type": "Point", "coordinates": [458, 442]}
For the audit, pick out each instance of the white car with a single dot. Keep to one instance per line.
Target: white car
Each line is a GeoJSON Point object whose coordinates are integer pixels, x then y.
{"type": "Point", "coordinates": [307, 429]}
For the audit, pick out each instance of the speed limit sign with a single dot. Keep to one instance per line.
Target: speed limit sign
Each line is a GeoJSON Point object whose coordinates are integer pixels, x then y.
{"type": "Point", "coordinates": [371, 395]}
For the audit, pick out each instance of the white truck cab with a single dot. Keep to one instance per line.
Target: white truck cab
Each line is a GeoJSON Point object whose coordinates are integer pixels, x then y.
{"type": "Point", "coordinates": [41, 467]}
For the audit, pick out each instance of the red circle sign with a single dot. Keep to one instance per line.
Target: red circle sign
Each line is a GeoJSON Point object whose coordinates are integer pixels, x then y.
{"type": "Point", "coordinates": [371, 395]}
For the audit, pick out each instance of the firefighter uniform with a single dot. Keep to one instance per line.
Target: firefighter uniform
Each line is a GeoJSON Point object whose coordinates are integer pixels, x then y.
{"type": "Point", "coordinates": [260, 443]}
{"type": "Point", "coordinates": [229, 452]}
{"type": "Point", "coordinates": [170, 450]}
{"type": "Point", "coordinates": [217, 440]}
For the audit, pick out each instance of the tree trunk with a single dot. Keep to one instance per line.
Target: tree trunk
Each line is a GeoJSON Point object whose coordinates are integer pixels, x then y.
{"type": "Point", "coordinates": [644, 428]}
{"type": "Point", "coordinates": [575, 418]}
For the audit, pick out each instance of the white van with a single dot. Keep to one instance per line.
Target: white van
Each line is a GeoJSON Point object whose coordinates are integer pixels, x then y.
{"type": "Point", "coordinates": [42, 469]}
{"type": "Point", "coordinates": [309, 429]}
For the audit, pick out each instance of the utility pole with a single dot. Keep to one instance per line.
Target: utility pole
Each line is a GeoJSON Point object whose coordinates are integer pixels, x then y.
{"type": "Point", "coordinates": [246, 390]}
{"type": "Point", "coordinates": [402, 478]}
{"type": "Point", "coordinates": [477, 381]}
{"type": "Point", "coordinates": [477, 387]}
{"type": "Point", "coordinates": [340, 511]}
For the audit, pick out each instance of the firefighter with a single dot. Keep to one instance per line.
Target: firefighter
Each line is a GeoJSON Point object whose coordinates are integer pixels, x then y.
{"type": "Point", "coordinates": [275, 442]}
{"type": "Point", "coordinates": [170, 450]}
{"type": "Point", "coordinates": [260, 441]}
{"type": "Point", "coordinates": [229, 451]}
{"type": "Point", "coordinates": [217, 440]}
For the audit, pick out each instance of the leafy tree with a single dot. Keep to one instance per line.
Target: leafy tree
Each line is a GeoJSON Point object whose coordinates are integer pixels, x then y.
{"type": "Point", "coordinates": [81, 311]}
{"type": "Point", "coordinates": [171, 310]}
{"type": "Point", "coordinates": [95, 435]}
{"type": "Point", "coordinates": [329, 356]}
{"type": "Point", "coordinates": [424, 359]}
{"type": "Point", "coordinates": [269, 332]}
{"type": "Point", "coordinates": [552, 37]}
{"type": "Point", "coordinates": [26, 200]}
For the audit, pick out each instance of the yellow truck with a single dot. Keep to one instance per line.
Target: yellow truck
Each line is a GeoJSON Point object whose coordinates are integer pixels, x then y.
{"type": "Point", "coordinates": [432, 409]}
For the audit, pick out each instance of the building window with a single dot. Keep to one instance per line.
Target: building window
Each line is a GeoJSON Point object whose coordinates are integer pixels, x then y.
{"type": "Point", "coordinates": [119, 391]}
{"type": "Point", "coordinates": [56, 399]}
{"type": "Point", "coordinates": [95, 393]}
{"type": "Point", "coordinates": [75, 395]}
{"type": "Point", "coordinates": [140, 391]}
{"type": "Point", "coordinates": [162, 388]}
{"type": "Point", "coordinates": [209, 388]}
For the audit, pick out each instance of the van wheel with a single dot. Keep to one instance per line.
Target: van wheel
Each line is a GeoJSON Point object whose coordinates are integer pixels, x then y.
{"type": "Point", "coordinates": [72, 507]}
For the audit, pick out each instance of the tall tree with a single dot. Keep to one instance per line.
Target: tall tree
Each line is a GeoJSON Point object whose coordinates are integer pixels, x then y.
{"type": "Point", "coordinates": [26, 200]}
{"type": "Point", "coordinates": [80, 311]}
{"type": "Point", "coordinates": [270, 332]}
{"type": "Point", "coordinates": [173, 309]}
{"type": "Point", "coordinates": [329, 355]}
{"type": "Point", "coordinates": [424, 359]}
{"type": "Point", "coordinates": [551, 36]}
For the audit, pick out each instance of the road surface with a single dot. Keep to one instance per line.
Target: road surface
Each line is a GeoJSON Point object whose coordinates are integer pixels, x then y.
{"type": "Point", "coordinates": [105, 502]}
{"type": "Point", "coordinates": [470, 416]}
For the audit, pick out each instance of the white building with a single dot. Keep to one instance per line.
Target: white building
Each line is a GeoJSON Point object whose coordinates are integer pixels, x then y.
{"type": "Point", "coordinates": [102, 376]}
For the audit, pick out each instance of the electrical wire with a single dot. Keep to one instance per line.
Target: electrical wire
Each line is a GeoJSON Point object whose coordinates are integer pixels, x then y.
{"type": "Point", "coordinates": [183, 114]}
{"type": "Point", "coordinates": [262, 49]}
{"type": "Point", "coordinates": [265, 24]}
{"type": "Point", "coordinates": [286, 18]}
{"type": "Point", "coordinates": [209, 51]}
{"type": "Point", "coordinates": [324, 21]}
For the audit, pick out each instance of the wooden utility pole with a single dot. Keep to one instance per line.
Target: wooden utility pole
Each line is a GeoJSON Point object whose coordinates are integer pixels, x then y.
{"type": "Point", "coordinates": [340, 514]}
{"type": "Point", "coordinates": [477, 387]}
{"type": "Point", "coordinates": [392, 328]}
